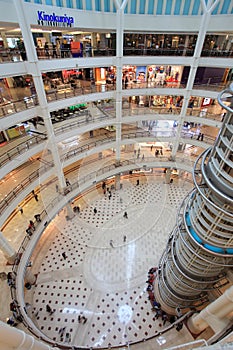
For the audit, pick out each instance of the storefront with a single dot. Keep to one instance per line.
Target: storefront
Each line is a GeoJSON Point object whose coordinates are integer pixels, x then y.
{"type": "Point", "coordinates": [18, 130]}
{"type": "Point", "coordinates": [153, 75]}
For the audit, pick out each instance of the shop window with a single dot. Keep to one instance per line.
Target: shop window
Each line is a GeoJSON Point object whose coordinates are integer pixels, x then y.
{"type": "Point", "coordinates": [196, 7]}
{"type": "Point", "coordinates": [186, 7]}
{"type": "Point", "coordinates": [38, 1]}
{"type": "Point", "coordinates": [79, 4]}
{"type": "Point", "coordinates": [159, 7]}
{"type": "Point", "coordinates": [69, 4]}
{"type": "Point", "coordinates": [59, 3]}
{"type": "Point", "coordinates": [48, 2]}
{"type": "Point", "coordinates": [150, 7]}
{"type": "Point", "coordinates": [89, 5]}
{"type": "Point", "coordinates": [142, 7]}
{"type": "Point", "coordinates": [106, 6]}
{"type": "Point", "coordinates": [114, 7]}
{"type": "Point", "coordinates": [168, 7]}
{"type": "Point", "coordinates": [97, 5]}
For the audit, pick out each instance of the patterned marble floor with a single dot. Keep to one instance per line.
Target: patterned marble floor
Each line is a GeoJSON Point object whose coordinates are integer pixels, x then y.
{"type": "Point", "coordinates": [104, 283]}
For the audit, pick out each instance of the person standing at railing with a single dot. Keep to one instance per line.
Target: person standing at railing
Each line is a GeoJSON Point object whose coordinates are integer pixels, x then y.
{"type": "Point", "coordinates": [46, 48]}
{"type": "Point", "coordinates": [21, 47]}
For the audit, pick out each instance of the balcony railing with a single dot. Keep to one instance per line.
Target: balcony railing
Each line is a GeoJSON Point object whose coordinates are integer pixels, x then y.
{"type": "Point", "coordinates": [16, 106]}
{"type": "Point", "coordinates": [16, 55]}
{"type": "Point", "coordinates": [20, 149]}
{"type": "Point", "coordinates": [10, 197]}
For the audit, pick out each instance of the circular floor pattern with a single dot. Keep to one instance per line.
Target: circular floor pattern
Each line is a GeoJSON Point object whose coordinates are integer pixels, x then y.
{"type": "Point", "coordinates": [104, 283]}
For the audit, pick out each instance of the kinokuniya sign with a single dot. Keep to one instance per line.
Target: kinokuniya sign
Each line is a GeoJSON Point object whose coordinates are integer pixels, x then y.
{"type": "Point", "coordinates": [54, 20]}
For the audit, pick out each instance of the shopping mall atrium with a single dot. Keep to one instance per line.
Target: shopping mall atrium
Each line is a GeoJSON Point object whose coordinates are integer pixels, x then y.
{"type": "Point", "coordinates": [116, 195]}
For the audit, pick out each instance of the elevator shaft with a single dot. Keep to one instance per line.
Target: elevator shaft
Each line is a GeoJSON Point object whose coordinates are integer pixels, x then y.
{"type": "Point", "coordinates": [200, 248]}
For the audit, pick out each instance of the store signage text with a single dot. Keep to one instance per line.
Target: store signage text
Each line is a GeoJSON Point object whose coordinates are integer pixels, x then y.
{"type": "Point", "coordinates": [54, 20]}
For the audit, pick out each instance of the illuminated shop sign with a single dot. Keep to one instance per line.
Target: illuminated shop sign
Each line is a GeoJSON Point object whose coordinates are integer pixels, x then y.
{"type": "Point", "coordinates": [54, 20]}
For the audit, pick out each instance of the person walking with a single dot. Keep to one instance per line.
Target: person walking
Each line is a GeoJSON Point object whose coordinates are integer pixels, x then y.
{"type": "Point", "coordinates": [31, 225]}
{"type": "Point", "coordinates": [111, 243]}
{"type": "Point", "coordinates": [124, 239]}
{"type": "Point", "coordinates": [49, 310]}
{"type": "Point", "coordinates": [125, 215]}
{"type": "Point", "coordinates": [35, 195]}
{"type": "Point", "coordinates": [67, 182]}
{"type": "Point", "coordinates": [164, 318]}
{"type": "Point", "coordinates": [64, 256]}
{"type": "Point", "coordinates": [37, 217]}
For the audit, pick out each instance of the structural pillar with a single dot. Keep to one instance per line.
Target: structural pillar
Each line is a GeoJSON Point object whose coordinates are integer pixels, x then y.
{"type": "Point", "coordinates": [69, 211]}
{"type": "Point", "coordinates": [8, 251]}
{"type": "Point", "coordinates": [168, 176]}
{"type": "Point", "coordinates": [192, 74]}
{"type": "Point", "coordinates": [117, 181]}
{"type": "Point", "coordinates": [119, 54]}
{"type": "Point", "coordinates": [39, 85]}
{"type": "Point", "coordinates": [30, 277]}
{"type": "Point", "coordinates": [214, 315]}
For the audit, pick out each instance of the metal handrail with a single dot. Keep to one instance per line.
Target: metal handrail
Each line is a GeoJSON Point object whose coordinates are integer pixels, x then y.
{"type": "Point", "coordinates": [21, 148]}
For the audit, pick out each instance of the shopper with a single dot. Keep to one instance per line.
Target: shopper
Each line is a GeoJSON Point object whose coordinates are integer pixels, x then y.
{"type": "Point", "coordinates": [67, 182]}
{"type": "Point", "coordinates": [37, 217]}
{"type": "Point", "coordinates": [64, 256]}
{"type": "Point", "coordinates": [31, 225]}
{"type": "Point", "coordinates": [20, 209]}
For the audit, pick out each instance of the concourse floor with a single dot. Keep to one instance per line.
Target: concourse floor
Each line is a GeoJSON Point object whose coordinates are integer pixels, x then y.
{"type": "Point", "coordinates": [104, 283]}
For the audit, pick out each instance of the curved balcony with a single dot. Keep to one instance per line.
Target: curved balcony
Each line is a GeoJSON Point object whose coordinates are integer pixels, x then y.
{"type": "Point", "coordinates": [21, 148]}
{"type": "Point", "coordinates": [12, 198]}
{"type": "Point", "coordinates": [30, 243]}
{"type": "Point", "coordinates": [28, 102]}
{"type": "Point", "coordinates": [20, 105]}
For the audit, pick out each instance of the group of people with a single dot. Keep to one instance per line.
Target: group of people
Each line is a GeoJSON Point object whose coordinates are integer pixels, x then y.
{"type": "Point", "coordinates": [64, 336]}
{"type": "Point", "coordinates": [156, 306]}
{"type": "Point", "coordinates": [82, 319]}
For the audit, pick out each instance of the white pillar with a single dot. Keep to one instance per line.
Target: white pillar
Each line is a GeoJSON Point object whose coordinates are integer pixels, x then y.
{"type": "Point", "coordinates": [30, 277]}
{"type": "Point", "coordinates": [26, 31]}
{"type": "Point", "coordinates": [196, 57]}
{"type": "Point", "coordinates": [185, 45]}
{"type": "Point", "coordinates": [119, 54]}
{"type": "Point", "coordinates": [117, 181]}
{"type": "Point", "coordinates": [39, 85]}
{"type": "Point", "coordinates": [13, 338]}
{"type": "Point", "coordinates": [69, 211]}
{"type": "Point", "coordinates": [214, 315]}
{"type": "Point", "coordinates": [168, 176]}
{"type": "Point", "coordinates": [7, 250]}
